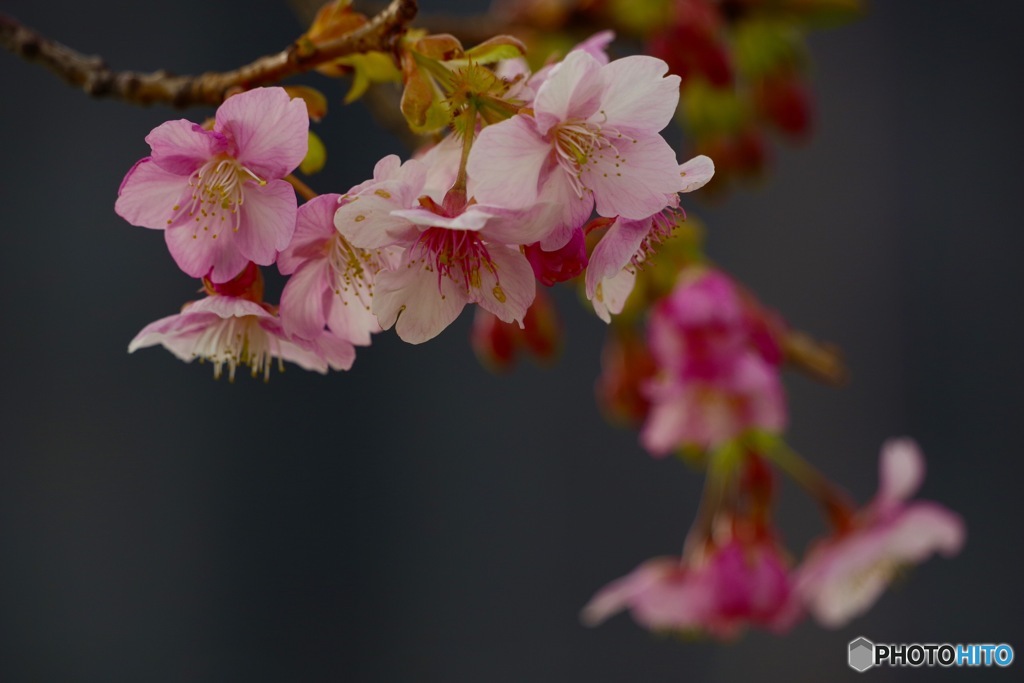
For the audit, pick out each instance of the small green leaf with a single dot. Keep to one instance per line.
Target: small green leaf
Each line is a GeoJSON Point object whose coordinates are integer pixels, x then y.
{"type": "Point", "coordinates": [316, 155]}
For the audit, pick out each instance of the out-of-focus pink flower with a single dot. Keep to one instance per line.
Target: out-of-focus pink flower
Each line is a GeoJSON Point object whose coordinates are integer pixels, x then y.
{"type": "Point", "coordinates": [233, 327]}
{"type": "Point", "coordinates": [714, 380]}
{"type": "Point", "coordinates": [626, 368]}
{"type": "Point", "coordinates": [218, 194]}
{"type": "Point", "coordinates": [844, 574]}
{"type": "Point", "coordinates": [496, 343]}
{"type": "Point", "coordinates": [734, 585]}
{"type": "Point", "coordinates": [593, 139]}
{"type": "Point", "coordinates": [331, 281]}
{"type": "Point", "coordinates": [451, 255]}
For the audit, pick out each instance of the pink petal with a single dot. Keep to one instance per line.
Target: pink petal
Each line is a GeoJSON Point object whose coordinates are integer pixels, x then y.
{"type": "Point", "coordinates": [572, 91]}
{"type": "Point", "coordinates": [353, 320]}
{"type": "Point", "coordinates": [148, 195]}
{"type": "Point", "coordinates": [638, 99]}
{"type": "Point", "coordinates": [421, 306]}
{"type": "Point", "coordinates": [509, 294]}
{"type": "Point", "coordinates": [326, 351]}
{"type": "Point", "coordinates": [621, 593]}
{"type": "Point", "coordinates": [610, 294]}
{"type": "Point", "coordinates": [696, 173]}
{"type": "Point", "coordinates": [198, 252]}
{"type": "Point", "coordinates": [517, 226]}
{"type": "Point", "coordinates": [314, 225]}
{"type": "Point", "coordinates": [597, 46]}
{"type": "Point", "coordinates": [270, 130]}
{"type": "Point", "coordinates": [633, 179]}
{"type": "Point", "coordinates": [267, 221]}
{"type": "Point", "coordinates": [924, 528]}
{"type": "Point", "coordinates": [182, 146]}
{"type": "Point", "coordinates": [568, 211]}
{"type": "Point", "coordinates": [505, 163]}
{"type": "Point", "coordinates": [901, 471]}
{"type": "Point", "coordinates": [615, 250]}
{"type": "Point", "coordinates": [305, 299]}
{"type": "Point", "coordinates": [471, 219]}
{"type": "Point", "coordinates": [367, 221]}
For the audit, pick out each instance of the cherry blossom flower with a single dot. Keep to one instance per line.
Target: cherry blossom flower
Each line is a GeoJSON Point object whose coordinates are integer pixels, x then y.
{"type": "Point", "coordinates": [629, 243]}
{"type": "Point", "coordinates": [843, 575]}
{"type": "Point", "coordinates": [217, 194]}
{"type": "Point", "coordinates": [714, 381]}
{"type": "Point", "coordinates": [593, 140]}
{"type": "Point", "coordinates": [232, 327]}
{"type": "Point", "coordinates": [734, 585]}
{"type": "Point", "coordinates": [451, 256]}
{"type": "Point", "coordinates": [331, 281]}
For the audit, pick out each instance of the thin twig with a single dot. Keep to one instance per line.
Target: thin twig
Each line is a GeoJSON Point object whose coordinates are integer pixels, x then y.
{"type": "Point", "coordinates": [823, 362]}
{"type": "Point", "coordinates": [93, 75]}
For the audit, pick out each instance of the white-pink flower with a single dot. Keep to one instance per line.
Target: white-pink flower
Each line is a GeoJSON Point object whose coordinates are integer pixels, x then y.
{"type": "Point", "coordinates": [629, 243]}
{"type": "Point", "coordinates": [217, 194]}
{"type": "Point", "coordinates": [843, 575]}
{"type": "Point", "coordinates": [593, 140]}
{"type": "Point", "coordinates": [331, 281]}
{"type": "Point", "coordinates": [450, 256]}
{"type": "Point", "coordinates": [234, 331]}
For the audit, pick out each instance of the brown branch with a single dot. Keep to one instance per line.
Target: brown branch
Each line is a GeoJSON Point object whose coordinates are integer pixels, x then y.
{"type": "Point", "coordinates": [97, 79]}
{"type": "Point", "coordinates": [823, 362]}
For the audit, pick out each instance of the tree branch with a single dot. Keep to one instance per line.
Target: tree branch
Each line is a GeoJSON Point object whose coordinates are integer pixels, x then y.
{"type": "Point", "coordinates": [93, 75]}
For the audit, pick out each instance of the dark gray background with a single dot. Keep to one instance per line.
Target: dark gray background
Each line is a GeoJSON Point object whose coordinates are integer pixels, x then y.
{"type": "Point", "coordinates": [419, 519]}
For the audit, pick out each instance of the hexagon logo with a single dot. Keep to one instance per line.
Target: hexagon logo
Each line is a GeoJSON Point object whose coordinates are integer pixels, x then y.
{"type": "Point", "coordinates": [862, 654]}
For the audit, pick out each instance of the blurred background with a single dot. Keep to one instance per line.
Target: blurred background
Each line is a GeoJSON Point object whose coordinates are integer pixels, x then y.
{"type": "Point", "coordinates": [419, 519]}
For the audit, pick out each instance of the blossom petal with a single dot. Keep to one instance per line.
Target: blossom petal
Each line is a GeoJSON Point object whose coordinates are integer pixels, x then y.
{"type": "Point", "coordinates": [352, 319]}
{"type": "Point", "coordinates": [615, 250]}
{"type": "Point", "coordinates": [305, 299]}
{"type": "Point", "coordinates": [505, 163]}
{"type": "Point", "coordinates": [633, 179]}
{"type": "Point", "coordinates": [901, 471]}
{"type": "Point", "coordinates": [270, 130]}
{"type": "Point", "coordinates": [267, 222]}
{"type": "Point", "coordinates": [148, 195]}
{"type": "Point", "coordinates": [314, 225]}
{"type": "Point", "coordinates": [367, 221]}
{"type": "Point", "coordinates": [696, 173]}
{"type": "Point", "coordinates": [200, 253]}
{"type": "Point", "coordinates": [417, 302]}
{"type": "Point", "coordinates": [573, 90]}
{"type": "Point", "coordinates": [508, 294]}
{"type": "Point", "coordinates": [638, 98]}
{"type": "Point", "coordinates": [611, 293]}
{"type": "Point", "coordinates": [182, 146]}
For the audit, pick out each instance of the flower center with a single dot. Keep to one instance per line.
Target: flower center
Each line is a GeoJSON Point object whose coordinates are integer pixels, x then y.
{"type": "Point", "coordinates": [575, 141]}
{"type": "Point", "coordinates": [353, 270]}
{"type": "Point", "coordinates": [238, 340]}
{"type": "Point", "coordinates": [218, 192]}
{"type": "Point", "coordinates": [455, 254]}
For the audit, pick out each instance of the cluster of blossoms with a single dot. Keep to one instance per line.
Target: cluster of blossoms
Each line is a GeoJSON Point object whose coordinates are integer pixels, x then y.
{"type": "Point", "coordinates": [479, 218]}
{"type": "Point", "coordinates": [548, 176]}
{"type": "Point", "coordinates": [706, 384]}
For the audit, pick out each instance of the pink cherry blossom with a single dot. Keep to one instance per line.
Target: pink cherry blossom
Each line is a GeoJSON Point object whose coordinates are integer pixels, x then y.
{"type": "Point", "coordinates": [629, 243]}
{"type": "Point", "coordinates": [843, 575]}
{"type": "Point", "coordinates": [234, 331]}
{"type": "Point", "coordinates": [331, 281]}
{"type": "Point", "coordinates": [732, 586]}
{"type": "Point", "coordinates": [217, 194]}
{"type": "Point", "coordinates": [714, 382]}
{"type": "Point", "coordinates": [593, 140]}
{"type": "Point", "coordinates": [450, 256]}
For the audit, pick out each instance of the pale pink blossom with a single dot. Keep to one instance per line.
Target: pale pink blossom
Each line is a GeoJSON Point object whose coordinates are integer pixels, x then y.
{"type": "Point", "coordinates": [628, 243]}
{"type": "Point", "coordinates": [331, 281]}
{"type": "Point", "coordinates": [451, 256]}
{"type": "Point", "coordinates": [593, 140]}
{"type": "Point", "coordinates": [232, 331]}
{"type": "Point", "coordinates": [217, 194]}
{"type": "Point", "coordinates": [843, 575]}
{"type": "Point", "coordinates": [735, 585]}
